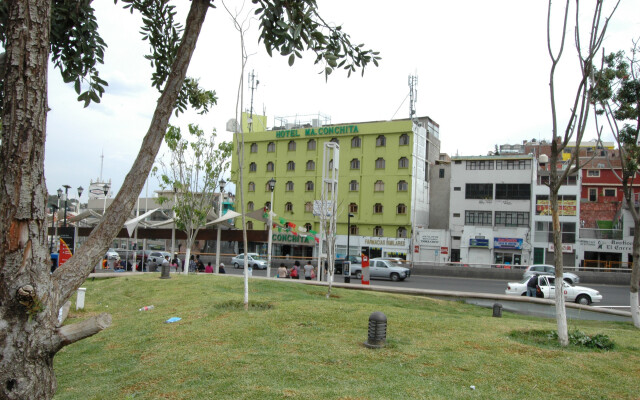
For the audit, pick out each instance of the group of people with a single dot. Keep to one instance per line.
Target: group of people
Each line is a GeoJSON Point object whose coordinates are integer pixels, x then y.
{"type": "Point", "coordinates": [308, 270]}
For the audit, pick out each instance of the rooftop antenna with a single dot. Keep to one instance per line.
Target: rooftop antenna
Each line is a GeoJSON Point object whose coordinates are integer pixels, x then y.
{"type": "Point", "coordinates": [413, 95]}
{"type": "Point", "coordinates": [101, 164]}
{"type": "Point", "coordinates": [253, 85]}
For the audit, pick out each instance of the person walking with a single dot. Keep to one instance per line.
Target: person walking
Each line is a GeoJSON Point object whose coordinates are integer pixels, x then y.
{"type": "Point", "coordinates": [192, 264]}
{"type": "Point", "coordinates": [282, 271]}
{"type": "Point", "coordinates": [295, 271]}
{"type": "Point", "coordinates": [532, 283]}
{"type": "Point", "coordinates": [309, 271]}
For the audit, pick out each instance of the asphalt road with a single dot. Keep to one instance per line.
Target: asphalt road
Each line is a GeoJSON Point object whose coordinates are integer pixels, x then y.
{"type": "Point", "coordinates": [612, 296]}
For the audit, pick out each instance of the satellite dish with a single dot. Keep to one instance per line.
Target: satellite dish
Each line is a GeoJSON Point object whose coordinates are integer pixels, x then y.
{"type": "Point", "coordinates": [232, 125]}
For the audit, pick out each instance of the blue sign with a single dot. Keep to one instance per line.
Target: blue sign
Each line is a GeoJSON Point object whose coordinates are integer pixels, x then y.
{"type": "Point", "coordinates": [478, 242]}
{"type": "Point", "coordinates": [507, 243]}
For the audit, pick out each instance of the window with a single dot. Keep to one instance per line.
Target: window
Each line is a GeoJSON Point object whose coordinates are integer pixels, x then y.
{"type": "Point", "coordinates": [381, 141]}
{"type": "Point", "coordinates": [291, 166]}
{"type": "Point", "coordinates": [511, 218]}
{"type": "Point", "coordinates": [593, 194]}
{"type": "Point", "coordinates": [251, 187]}
{"type": "Point", "coordinates": [254, 148]}
{"type": "Point", "coordinates": [456, 188]}
{"type": "Point", "coordinates": [291, 146]}
{"type": "Point", "coordinates": [401, 209]}
{"type": "Point", "coordinates": [253, 167]}
{"type": "Point", "coordinates": [288, 206]}
{"type": "Point", "coordinates": [378, 186]}
{"type": "Point", "coordinates": [378, 231]}
{"type": "Point", "coordinates": [311, 165]}
{"type": "Point", "coordinates": [477, 218]}
{"type": "Point", "coordinates": [513, 164]}
{"type": "Point", "coordinates": [311, 144]}
{"type": "Point", "coordinates": [289, 187]}
{"type": "Point", "coordinates": [401, 232]}
{"type": "Point", "coordinates": [308, 206]}
{"type": "Point", "coordinates": [478, 191]}
{"type": "Point", "coordinates": [356, 142]}
{"type": "Point", "coordinates": [594, 173]}
{"type": "Point", "coordinates": [355, 164]}
{"type": "Point", "coordinates": [404, 140]}
{"type": "Point", "coordinates": [308, 227]}
{"type": "Point", "coordinates": [441, 173]}
{"type": "Point", "coordinates": [403, 162]}
{"type": "Point", "coordinates": [249, 225]}
{"type": "Point", "coordinates": [380, 163]}
{"type": "Point", "coordinates": [513, 191]}
{"type": "Point", "coordinates": [353, 208]}
{"type": "Point", "coordinates": [269, 166]}
{"type": "Point", "coordinates": [353, 229]}
{"type": "Point", "coordinates": [456, 215]}
{"type": "Point", "coordinates": [308, 186]}
{"type": "Point", "coordinates": [608, 192]}
{"type": "Point", "coordinates": [479, 164]}
{"type": "Point", "coordinates": [403, 186]}
{"type": "Point", "coordinates": [354, 186]}
{"type": "Point", "coordinates": [250, 206]}
{"type": "Point", "coordinates": [377, 208]}
{"type": "Point", "coordinates": [271, 147]}
{"type": "Point", "coordinates": [544, 232]}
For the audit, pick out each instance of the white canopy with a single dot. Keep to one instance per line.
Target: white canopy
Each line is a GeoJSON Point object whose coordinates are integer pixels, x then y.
{"type": "Point", "coordinates": [133, 223]}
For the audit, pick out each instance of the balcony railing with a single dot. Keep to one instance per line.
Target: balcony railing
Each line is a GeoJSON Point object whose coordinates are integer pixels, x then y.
{"type": "Point", "coordinates": [586, 233]}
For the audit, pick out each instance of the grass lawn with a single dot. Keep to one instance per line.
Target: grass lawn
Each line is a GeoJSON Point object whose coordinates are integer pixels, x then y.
{"type": "Point", "coordinates": [294, 343]}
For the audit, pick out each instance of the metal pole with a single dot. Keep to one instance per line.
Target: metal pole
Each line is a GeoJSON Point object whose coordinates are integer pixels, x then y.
{"type": "Point", "coordinates": [348, 233]}
{"type": "Point", "coordinates": [56, 230]}
{"type": "Point", "coordinates": [66, 198]}
{"type": "Point", "coordinates": [173, 225]}
{"type": "Point", "coordinates": [219, 229]}
{"type": "Point", "coordinates": [270, 240]}
{"type": "Point", "coordinates": [53, 220]}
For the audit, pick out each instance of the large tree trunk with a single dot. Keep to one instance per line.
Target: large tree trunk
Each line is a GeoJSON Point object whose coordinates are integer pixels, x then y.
{"type": "Point", "coordinates": [561, 311]}
{"type": "Point", "coordinates": [30, 296]}
{"type": "Point", "coordinates": [635, 276]}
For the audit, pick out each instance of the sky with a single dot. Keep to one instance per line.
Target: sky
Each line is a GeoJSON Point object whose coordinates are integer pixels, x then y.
{"type": "Point", "coordinates": [483, 75]}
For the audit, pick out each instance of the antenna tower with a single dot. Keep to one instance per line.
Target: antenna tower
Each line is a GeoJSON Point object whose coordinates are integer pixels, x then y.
{"type": "Point", "coordinates": [413, 95]}
{"type": "Point", "coordinates": [253, 85]}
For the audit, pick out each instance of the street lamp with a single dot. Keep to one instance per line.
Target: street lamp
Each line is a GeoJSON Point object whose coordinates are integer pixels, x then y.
{"type": "Point", "coordinates": [66, 198]}
{"type": "Point", "coordinates": [53, 219]}
{"type": "Point", "coordinates": [105, 189]}
{"type": "Point", "coordinates": [222, 184]}
{"type": "Point", "coordinates": [347, 277]}
{"type": "Point", "coordinates": [272, 186]}
{"type": "Point", "coordinates": [80, 190]}
{"type": "Point", "coordinates": [58, 223]}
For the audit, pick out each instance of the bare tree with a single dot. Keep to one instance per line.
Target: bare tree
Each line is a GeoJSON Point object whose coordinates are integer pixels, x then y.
{"type": "Point", "coordinates": [573, 131]}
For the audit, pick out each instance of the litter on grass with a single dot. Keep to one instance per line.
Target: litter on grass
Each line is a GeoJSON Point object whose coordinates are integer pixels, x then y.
{"type": "Point", "coordinates": [172, 319]}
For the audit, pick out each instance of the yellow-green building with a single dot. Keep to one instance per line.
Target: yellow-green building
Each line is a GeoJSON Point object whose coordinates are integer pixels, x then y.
{"type": "Point", "coordinates": [383, 180]}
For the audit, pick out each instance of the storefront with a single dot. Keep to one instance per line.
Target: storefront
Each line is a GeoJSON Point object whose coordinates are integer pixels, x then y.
{"type": "Point", "coordinates": [507, 251]}
{"type": "Point", "coordinates": [373, 246]}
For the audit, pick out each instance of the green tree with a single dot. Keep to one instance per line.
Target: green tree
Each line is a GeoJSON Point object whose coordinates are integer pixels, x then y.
{"type": "Point", "coordinates": [192, 172]}
{"type": "Point", "coordinates": [34, 31]}
{"type": "Point", "coordinates": [617, 99]}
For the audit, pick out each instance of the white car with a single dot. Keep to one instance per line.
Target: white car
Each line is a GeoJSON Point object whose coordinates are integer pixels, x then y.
{"type": "Point", "coordinates": [254, 260]}
{"type": "Point", "coordinates": [579, 294]}
{"type": "Point", "coordinates": [547, 269]}
{"type": "Point", "coordinates": [112, 254]}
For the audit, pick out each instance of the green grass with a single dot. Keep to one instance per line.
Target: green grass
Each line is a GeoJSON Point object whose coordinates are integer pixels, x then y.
{"type": "Point", "coordinates": [294, 343]}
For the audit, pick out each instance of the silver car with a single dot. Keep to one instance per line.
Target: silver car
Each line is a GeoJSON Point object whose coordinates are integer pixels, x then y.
{"type": "Point", "coordinates": [254, 260]}
{"type": "Point", "coordinates": [546, 269]}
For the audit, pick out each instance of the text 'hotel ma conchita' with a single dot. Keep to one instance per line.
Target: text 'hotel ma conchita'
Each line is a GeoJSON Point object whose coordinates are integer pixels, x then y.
{"type": "Point", "coordinates": [326, 130]}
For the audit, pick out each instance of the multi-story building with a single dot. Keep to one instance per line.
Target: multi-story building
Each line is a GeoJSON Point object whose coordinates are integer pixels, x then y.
{"type": "Point", "coordinates": [490, 209]}
{"type": "Point", "coordinates": [383, 181]}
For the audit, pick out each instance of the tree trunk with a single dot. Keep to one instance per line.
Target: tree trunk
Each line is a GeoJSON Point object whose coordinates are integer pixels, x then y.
{"type": "Point", "coordinates": [30, 297]}
{"type": "Point", "coordinates": [561, 312]}
{"type": "Point", "coordinates": [635, 275]}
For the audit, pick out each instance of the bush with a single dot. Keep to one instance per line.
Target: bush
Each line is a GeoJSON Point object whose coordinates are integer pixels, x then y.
{"type": "Point", "coordinates": [581, 339]}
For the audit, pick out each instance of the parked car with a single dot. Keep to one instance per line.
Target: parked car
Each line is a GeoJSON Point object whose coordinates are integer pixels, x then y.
{"type": "Point", "coordinates": [158, 255]}
{"type": "Point", "coordinates": [112, 254]}
{"type": "Point", "coordinates": [383, 268]}
{"type": "Point", "coordinates": [254, 260]}
{"type": "Point", "coordinates": [546, 283]}
{"type": "Point", "coordinates": [550, 270]}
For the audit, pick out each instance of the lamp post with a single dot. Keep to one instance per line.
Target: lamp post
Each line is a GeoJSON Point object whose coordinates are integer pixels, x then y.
{"type": "Point", "coordinates": [173, 225]}
{"type": "Point", "coordinates": [222, 184]}
{"type": "Point", "coordinates": [347, 277]}
{"type": "Point", "coordinates": [66, 198]}
{"type": "Point", "coordinates": [53, 219]}
{"type": "Point", "coordinates": [58, 223]}
{"type": "Point", "coordinates": [80, 190]}
{"type": "Point", "coordinates": [272, 186]}
{"type": "Point", "coordinates": [105, 189]}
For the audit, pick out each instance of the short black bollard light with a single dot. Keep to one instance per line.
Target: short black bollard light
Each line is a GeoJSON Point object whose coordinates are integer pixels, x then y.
{"type": "Point", "coordinates": [377, 336]}
{"type": "Point", "coordinates": [497, 310]}
{"type": "Point", "coordinates": [165, 270]}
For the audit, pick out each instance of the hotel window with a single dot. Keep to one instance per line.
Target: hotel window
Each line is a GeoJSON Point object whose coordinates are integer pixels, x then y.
{"type": "Point", "coordinates": [311, 144]}
{"type": "Point", "coordinates": [404, 139]}
{"type": "Point", "coordinates": [254, 147]}
{"type": "Point", "coordinates": [377, 208]}
{"type": "Point", "coordinates": [311, 165]}
{"type": "Point", "coordinates": [401, 209]}
{"type": "Point", "coordinates": [269, 166]}
{"type": "Point", "coordinates": [253, 167]}
{"type": "Point", "coordinates": [353, 229]}
{"type": "Point", "coordinates": [477, 218]}
{"type": "Point", "coordinates": [378, 231]}
{"type": "Point", "coordinates": [403, 162]}
{"type": "Point", "coordinates": [291, 166]}
{"type": "Point", "coordinates": [402, 232]}
{"type": "Point", "coordinates": [288, 207]}
{"type": "Point", "coordinates": [595, 173]}
{"type": "Point", "coordinates": [354, 186]}
{"type": "Point", "coordinates": [403, 186]}
{"type": "Point", "coordinates": [356, 142]}
{"type": "Point", "coordinates": [478, 191]}
{"type": "Point", "coordinates": [271, 147]}
{"type": "Point", "coordinates": [511, 218]}
{"type": "Point", "coordinates": [249, 225]}
{"type": "Point", "coordinates": [353, 208]}
{"type": "Point", "coordinates": [250, 206]}
{"type": "Point", "coordinates": [292, 145]}
{"type": "Point", "coordinates": [378, 186]}
{"type": "Point", "coordinates": [380, 163]}
{"type": "Point", "coordinates": [251, 187]}
{"type": "Point", "coordinates": [308, 206]}
{"type": "Point", "coordinates": [308, 227]}
{"type": "Point", "coordinates": [381, 141]}
{"type": "Point", "coordinates": [355, 164]}
{"type": "Point", "coordinates": [308, 186]}
{"type": "Point", "coordinates": [289, 186]}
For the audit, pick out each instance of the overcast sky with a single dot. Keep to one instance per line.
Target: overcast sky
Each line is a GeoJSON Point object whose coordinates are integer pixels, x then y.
{"type": "Point", "coordinates": [482, 67]}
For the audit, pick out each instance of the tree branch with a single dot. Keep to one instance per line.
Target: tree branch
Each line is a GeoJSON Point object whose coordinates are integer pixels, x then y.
{"type": "Point", "coordinates": [72, 333]}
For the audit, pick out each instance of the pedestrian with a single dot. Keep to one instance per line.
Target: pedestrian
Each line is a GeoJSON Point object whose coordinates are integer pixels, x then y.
{"type": "Point", "coordinates": [532, 283]}
{"type": "Point", "coordinates": [208, 269]}
{"type": "Point", "coordinates": [309, 271]}
{"type": "Point", "coordinates": [221, 269]}
{"type": "Point", "coordinates": [199, 263]}
{"type": "Point", "coordinates": [192, 264]}
{"type": "Point", "coordinates": [166, 264]}
{"type": "Point", "coordinates": [295, 270]}
{"type": "Point", "coordinates": [152, 265]}
{"type": "Point", "coordinates": [175, 263]}
{"type": "Point", "coordinates": [282, 271]}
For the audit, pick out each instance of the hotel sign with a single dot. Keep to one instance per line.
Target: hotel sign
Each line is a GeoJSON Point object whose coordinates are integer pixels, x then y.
{"type": "Point", "coordinates": [323, 130]}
